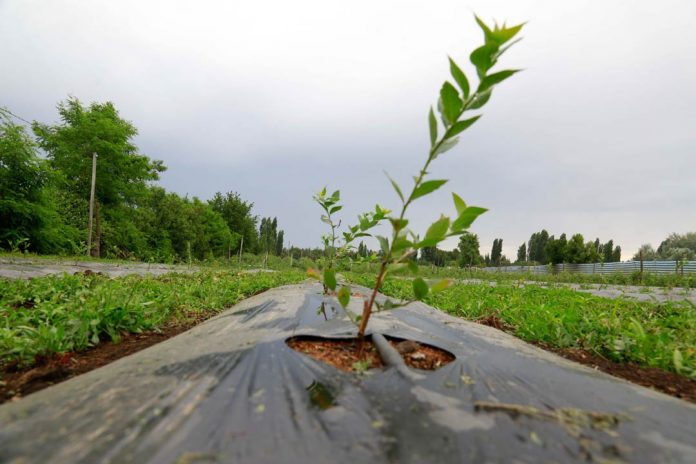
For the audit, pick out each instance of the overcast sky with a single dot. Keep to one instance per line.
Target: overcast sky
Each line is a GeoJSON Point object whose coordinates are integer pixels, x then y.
{"type": "Point", "coordinates": [275, 99]}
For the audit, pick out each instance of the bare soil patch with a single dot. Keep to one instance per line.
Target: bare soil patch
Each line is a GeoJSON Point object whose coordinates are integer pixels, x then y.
{"type": "Point", "coordinates": [652, 377]}
{"type": "Point", "coordinates": [343, 354]}
{"type": "Point", "coordinates": [421, 356]}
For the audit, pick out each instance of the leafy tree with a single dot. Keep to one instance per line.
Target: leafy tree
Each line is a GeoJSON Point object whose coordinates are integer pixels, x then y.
{"type": "Point", "coordinates": [469, 254]}
{"type": "Point", "coordinates": [537, 247]}
{"type": "Point", "coordinates": [122, 172]}
{"type": "Point", "coordinates": [279, 243]}
{"type": "Point", "coordinates": [616, 255]}
{"type": "Point", "coordinates": [428, 254]}
{"type": "Point", "coordinates": [522, 253]}
{"type": "Point", "coordinates": [608, 251]}
{"type": "Point", "coordinates": [678, 247]}
{"type": "Point", "coordinates": [591, 252]}
{"type": "Point", "coordinates": [648, 253]}
{"type": "Point", "coordinates": [575, 250]}
{"type": "Point", "coordinates": [497, 251]}
{"type": "Point", "coordinates": [28, 212]}
{"type": "Point", "coordinates": [237, 214]}
{"type": "Point", "coordinates": [556, 249]}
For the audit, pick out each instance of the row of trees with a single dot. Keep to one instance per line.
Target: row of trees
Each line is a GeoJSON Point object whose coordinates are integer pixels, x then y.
{"type": "Point", "coordinates": [545, 249]}
{"type": "Point", "coordinates": [44, 200]}
{"type": "Point", "coordinates": [674, 247]}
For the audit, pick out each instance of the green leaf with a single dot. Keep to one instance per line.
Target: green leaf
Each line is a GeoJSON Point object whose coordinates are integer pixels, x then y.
{"type": "Point", "coordinates": [460, 78]}
{"type": "Point", "coordinates": [441, 285]}
{"type": "Point", "coordinates": [383, 244]}
{"type": "Point", "coordinates": [502, 35]}
{"type": "Point", "coordinates": [398, 224]}
{"type": "Point", "coordinates": [330, 278]}
{"type": "Point", "coordinates": [438, 229]}
{"type": "Point", "coordinates": [396, 187]}
{"type": "Point", "coordinates": [484, 58]}
{"type": "Point", "coordinates": [451, 103]}
{"type": "Point", "coordinates": [401, 243]}
{"type": "Point", "coordinates": [495, 78]}
{"type": "Point", "coordinates": [413, 267]}
{"type": "Point", "coordinates": [445, 146]}
{"type": "Point", "coordinates": [480, 99]}
{"type": "Point", "coordinates": [344, 296]}
{"type": "Point", "coordinates": [420, 288]}
{"type": "Point", "coordinates": [459, 204]}
{"type": "Point", "coordinates": [460, 126]}
{"type": "Point", "coordinates": [335, 209]}
{"type": "Point", "coordinates": [426, 188]}
{"type": "Point", "coordinates": [487, 32]}
{"type": "Point", "coordinates": [325, 219]}
{"type": "Point", "coordinates": [467, 217]}
{"type": "Point", "coordinates": [432, 122]}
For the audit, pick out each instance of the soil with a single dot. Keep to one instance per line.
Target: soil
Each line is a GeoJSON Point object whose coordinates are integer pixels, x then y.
{"type": "Point", "coordinates": [420, 356]}
{"type": "Point", "coordinates": [344, 353]}
{"type": "Point", "coordinates": [17, 381]}
{"type": "Point", "coordinates": [651, 377]}
{"type": "Point", "coordinates": [340, 353]}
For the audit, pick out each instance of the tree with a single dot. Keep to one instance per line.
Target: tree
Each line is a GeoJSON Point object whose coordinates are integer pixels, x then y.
{"type": "Point", "coordinates": [469, 254]}
{"type": "Point", "coordinates": [608, 251]}
{"type": "Point", "coordinates": [25, 214]}
{"type": "Point", "coordinates": [678, 247]}
{"type": "Point", "coordinates": [556, 249]}
{"type": "Point", "coordinates": [536, 248]}
{"type": "Point", "coordinates": [279, 243]}
{"type": "Point", "coordinates": [522, 253]}
{"type": "Point", "coordinates": [497, 251]}
{"type": "Point", "coordinates": [647, 251]}
{"type": "Point", "coordinates": [237, 214]}
{"type": "Point", "coordinates": [575, 250]}
{"type": "Point", "coordinates": [122, 172]}
{"type": "Point", "coordinates": [616, 255]}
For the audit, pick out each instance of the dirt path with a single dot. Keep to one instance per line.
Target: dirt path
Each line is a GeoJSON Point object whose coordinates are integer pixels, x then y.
{"type": "Point", "coordinates": [27, 268]}
{"type": "Point", "coordinates": [655, 294]}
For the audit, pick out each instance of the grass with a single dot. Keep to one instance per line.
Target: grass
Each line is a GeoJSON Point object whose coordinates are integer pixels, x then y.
{"type": "Point", "coordinates": [57, 314]}
{"type": "Point", "coordinates": [650, 334]}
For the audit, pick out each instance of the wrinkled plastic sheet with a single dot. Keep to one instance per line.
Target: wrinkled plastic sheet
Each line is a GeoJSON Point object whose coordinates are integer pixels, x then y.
{"type": "Point", "coordinates": [231, 390]}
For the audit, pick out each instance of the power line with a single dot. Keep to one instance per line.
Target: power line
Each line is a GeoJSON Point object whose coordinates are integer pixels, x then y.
{"type": "Point", "coordinates": [5, 110]}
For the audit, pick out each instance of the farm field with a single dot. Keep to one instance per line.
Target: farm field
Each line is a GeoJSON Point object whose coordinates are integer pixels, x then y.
{"type": "Point", "coordinates": [591, 329]}
{"type": "Point", "coordinates": [49, 322]}
{"type": "Point", "coordinates": [54, 322]}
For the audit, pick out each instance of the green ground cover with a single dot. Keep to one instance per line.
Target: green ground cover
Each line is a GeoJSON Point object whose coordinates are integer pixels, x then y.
{"type": "Point", "coordinates": [57, 314]}
{"type": "Point", "coordinates": [650, 334]}
{"type": "Point", "coordinates": [646, 279]}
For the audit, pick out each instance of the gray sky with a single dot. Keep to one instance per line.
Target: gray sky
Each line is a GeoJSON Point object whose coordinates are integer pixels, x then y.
{"type": "Point", "coordinates": [275, 99]}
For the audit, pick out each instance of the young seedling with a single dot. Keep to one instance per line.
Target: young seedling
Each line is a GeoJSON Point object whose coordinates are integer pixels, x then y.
{"type": "Point", "coordinates": [452, 105]}
{"type": "Point", "coordinates": [337, 248]}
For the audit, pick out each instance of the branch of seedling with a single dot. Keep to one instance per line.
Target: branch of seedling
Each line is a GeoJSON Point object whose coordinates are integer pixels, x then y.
{"type": "Point", "coordinates": [452, 104]}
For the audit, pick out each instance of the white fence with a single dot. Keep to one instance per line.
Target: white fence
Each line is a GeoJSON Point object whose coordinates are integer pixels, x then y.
{"type": "Point", "coordinates": [626, 267]}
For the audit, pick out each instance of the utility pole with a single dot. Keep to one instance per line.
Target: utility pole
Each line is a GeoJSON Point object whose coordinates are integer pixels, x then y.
{"type": "Point", "coordinates": [91, 203]}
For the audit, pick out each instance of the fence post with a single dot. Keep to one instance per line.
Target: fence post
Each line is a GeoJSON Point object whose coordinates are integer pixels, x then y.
{"type": "Point", "coordinates": [91, 203]}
